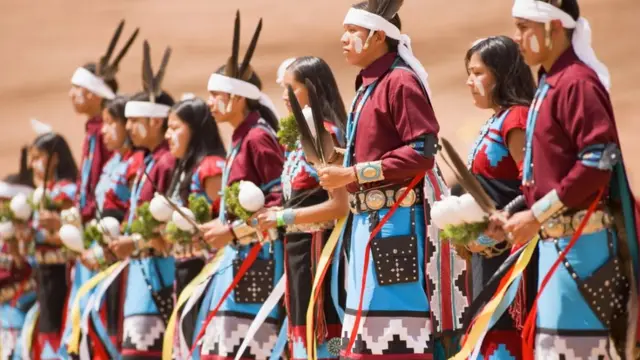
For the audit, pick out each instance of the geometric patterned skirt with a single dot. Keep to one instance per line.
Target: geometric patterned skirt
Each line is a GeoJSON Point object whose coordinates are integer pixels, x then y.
{"type": "Point", "coordinates": [585, 298]}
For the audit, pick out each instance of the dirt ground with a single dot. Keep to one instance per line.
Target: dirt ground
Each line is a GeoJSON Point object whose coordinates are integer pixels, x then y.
{"type": "Point", "coordinates": [43, 42]}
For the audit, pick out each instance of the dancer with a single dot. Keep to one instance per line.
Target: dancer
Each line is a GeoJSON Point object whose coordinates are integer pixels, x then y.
{"type": "Point", "coordinates": [499, 80]}
{"type": "Point", "coordinates": [309, 215]}
{"type": "Point", "coordinates": [408, 305]}
{"type": "Point", "coordinates": [17, 283]}
{"type": "Point", "coordinates": [257, 157]}
{"type": "Point", "coordinates": [150, 274]}
{"type": "Point", "coordinates": [55, 173]}
{"type": "Point", "coordinates": [573, 174]}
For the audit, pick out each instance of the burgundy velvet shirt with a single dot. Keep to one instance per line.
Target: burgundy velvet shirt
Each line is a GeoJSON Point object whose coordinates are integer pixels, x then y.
{"type": "Point", "coordinates": [575, 114]}
{"type": "Point", "coordinates": [397, 113]}
{"type": "Point", "coordinates": [260, 159]}
{"type": "Point", "coordinates": [100, 157]}
{"type": "Point", "coordinates": [159, 174]}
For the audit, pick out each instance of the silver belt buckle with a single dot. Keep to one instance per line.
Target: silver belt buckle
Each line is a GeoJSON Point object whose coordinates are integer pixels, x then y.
{"type": "Point", "coordinates": [375, 200]}
{"type": "Point", "coordinates": [409, 200]}
{"type": "Point", "coordinates": [555, 227]}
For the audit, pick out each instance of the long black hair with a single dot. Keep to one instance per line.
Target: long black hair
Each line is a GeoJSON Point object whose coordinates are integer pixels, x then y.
{"type": "Point", "coordinates": [24, 176]}
{"type": "Point", "coordinates": [387, 9]}
{"type": "Point", "coordinates": [514, 80]}
{"type": "Point", "coordinates": [319, 73]}
{"type": "Point", "coordinates": [205, 141]}
{"type": "Point", "coordinates": [254, 105]}
{"type": "Point", "coordinates": [52, 143]}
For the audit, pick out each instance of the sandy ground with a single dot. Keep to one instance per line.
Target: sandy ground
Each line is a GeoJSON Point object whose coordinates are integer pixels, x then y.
{"type": "Point", "coordinates": [43, 42]}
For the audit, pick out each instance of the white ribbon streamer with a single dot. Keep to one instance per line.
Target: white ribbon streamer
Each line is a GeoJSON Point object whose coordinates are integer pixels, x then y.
{"type": "Point", "coordinates": [375, 22]}
{"type": "Point", "coordinates": [262, 315]}
{"type": "Point", "coordinates": [543, 12]}
{"type": "Point", "coordinates": [86, 79]}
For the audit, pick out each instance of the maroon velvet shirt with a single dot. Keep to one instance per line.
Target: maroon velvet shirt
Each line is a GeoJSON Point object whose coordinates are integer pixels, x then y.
{"type": "Point", "coordinates": [576, 113]}
{"type": "Point", "coordinates": [160, 174]}
{"type": "Point", "coordinates": [260, 159]}
{"type": "Point", "coordinates": [397, 113]}
{"type": "Point", "coordinates": [100, 157]}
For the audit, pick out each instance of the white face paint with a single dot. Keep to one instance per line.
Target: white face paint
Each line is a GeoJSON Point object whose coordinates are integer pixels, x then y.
{"type": "Point", "coordinates": [78, 96]}
{"type": "Point", "coordinates": [534, 45]}
{"type": "Point", "coordinates": [175, 140]}
{"type": "Point", "coordinates": [479, 87]}
{"type": "Point", "coordinates": [221, 107]}
{"type": "Point", "coordinates": [38, 166]}
{"type": "Point", "coordinates": [357, 44]}
{"type": "Point", "coordinates": [141, 130]}
{"type": "Point", "coordinates": [113, 132]}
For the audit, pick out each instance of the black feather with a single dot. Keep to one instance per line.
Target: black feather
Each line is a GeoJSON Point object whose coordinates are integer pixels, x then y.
{"type": "Point", "coordinates": [242, 74]}
{"type": "Point", "coordinates": [147, 71]}
{"type": "Point", "coordinates": [306, 139]}
{"type": "Point", "coordinates": [157, 82]}
{"type": "Point", "coordinates": [231, 69]}
{"type": "Point", "coordinates": [113, 68]}
{"type": "Point", "coordinates": [385, 8]}
{"type": "Point", "coordinates": [104, 60]}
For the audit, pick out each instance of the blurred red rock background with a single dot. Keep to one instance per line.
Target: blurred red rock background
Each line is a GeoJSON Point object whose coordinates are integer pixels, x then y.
{"type": "Point", "coordinates": [43, 42]}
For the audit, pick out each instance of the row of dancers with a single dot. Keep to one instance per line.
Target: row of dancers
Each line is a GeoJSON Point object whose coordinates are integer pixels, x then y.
{"type": "Point", "coordinates": [329, 232]}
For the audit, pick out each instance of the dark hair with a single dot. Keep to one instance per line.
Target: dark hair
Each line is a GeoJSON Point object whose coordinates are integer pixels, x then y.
{"type": "Point", "coordinates": [514, 81]}
{"type": "Point", "coordinates": [319, 73]}
{"type": "Point", "coordinates": [164, 99]}
{"type": "Point", "coordinates": [24, 176]}
{"type": "Point", "coordinates": [254, 105]}
{"type": "Point", "coordinates": [571, 7]}
{"type": "Point", "coordinates": [111, 81]}
{"type": "Point", "coordinates": [116, 107]}
{"type": "Point", "coordinates": [392, 44]}
{"type": "Point", "coordinates": [52, 143]}
{"type": "Point", "coordinates": [205, 141]}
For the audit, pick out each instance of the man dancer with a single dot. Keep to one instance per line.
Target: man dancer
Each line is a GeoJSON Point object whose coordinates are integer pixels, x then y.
{"type": "Point", "coordinates": [408, 302]}
{"type": "Point", "coordinates": [573, 175]}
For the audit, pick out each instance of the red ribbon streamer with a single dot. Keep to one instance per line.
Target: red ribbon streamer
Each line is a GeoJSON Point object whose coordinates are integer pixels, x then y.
{"type": "Point", "coordinates": [367, 250]}
{"type": "Point", "coordinates": [246, 264]}
{"type": "Point", "coordinates": [528, 331]}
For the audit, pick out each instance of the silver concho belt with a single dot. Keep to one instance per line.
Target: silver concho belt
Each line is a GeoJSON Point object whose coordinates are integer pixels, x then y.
{"type": "Point", "coordinates": [566, 225]}
{"type": "Point", "coordinates": [376, 199]}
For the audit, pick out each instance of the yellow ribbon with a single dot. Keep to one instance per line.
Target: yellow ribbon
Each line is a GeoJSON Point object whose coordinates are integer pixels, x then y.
{"type": "Point", "coordinates": [30, 330]}
{"type": "Point", "coordinates": [74, 341]}
{"type": "Point", "coordinates": [167, 342]}
{"type": "Point", "coordinates": [325, 260]}
{"type": "Point", "coordinates": [482, 320]}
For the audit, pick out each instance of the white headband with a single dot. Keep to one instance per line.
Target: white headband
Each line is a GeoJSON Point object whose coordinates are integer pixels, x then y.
{"type": "Point", "coordinates": [8, 190]}
{"type": "Point", "coordinates": [84, 78]}
{"type": "Point", "coordinates": [146, 109]}
{"type": "Point", "coordinates": [229, 85]}
{"type": "Point", "coordinates": [375, 22]}
{"type": "Point", "coordinates": [282, 69]}
{"type": "Point", "coordinates": [543, 12]}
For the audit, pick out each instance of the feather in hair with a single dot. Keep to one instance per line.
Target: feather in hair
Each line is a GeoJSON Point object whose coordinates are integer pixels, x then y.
{"type": "Point", "coordinates": [147, 71]}
{"type": "Point", "coordinates": [231, 69]}
{"type": "Point", "coordinates": [103, 64]}
{"type": "Point", "coordinates": [385, 8]}
{"type": "Point", "coordinates": [40, 128]}
{"type": "Point", "coordinates": [245, 68]}
{"type": "Point", "coordinates": [157, 80]}
{"type": "Point", "coordinates": [113, 67]}
{"type": "Point", "coordinates": [306, 138]}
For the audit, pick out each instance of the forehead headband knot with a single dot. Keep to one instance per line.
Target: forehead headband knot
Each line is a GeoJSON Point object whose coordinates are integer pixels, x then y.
{"type": "Point", "coordinates": [542, 12]}
{"type": "Point", "coordinates": [152, 85]}
{"type": "Point", "coordinates": [105, 70]}
{"type": "Point", "coordinates": [231, 82]}
{"type": "Point", "coordinates": [375, 22]}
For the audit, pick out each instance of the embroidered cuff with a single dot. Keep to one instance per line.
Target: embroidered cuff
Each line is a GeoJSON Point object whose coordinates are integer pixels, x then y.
{"type": "Point", "coordinates": [547, 207]}
{"type": "Point", "coordinates": [241, 229]}
{"type": "Point", "coordinates": [369, 172]}
{"type": "Point", "coordinates": [600, 156]}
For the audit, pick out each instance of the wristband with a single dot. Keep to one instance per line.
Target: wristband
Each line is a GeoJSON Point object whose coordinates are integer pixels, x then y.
{"type": "Point", "coordinates": [547, 207]}
{"type": "Point", "coordinates": [369, 172]}
{"type": "Point", "coordinates": [280, 219]}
